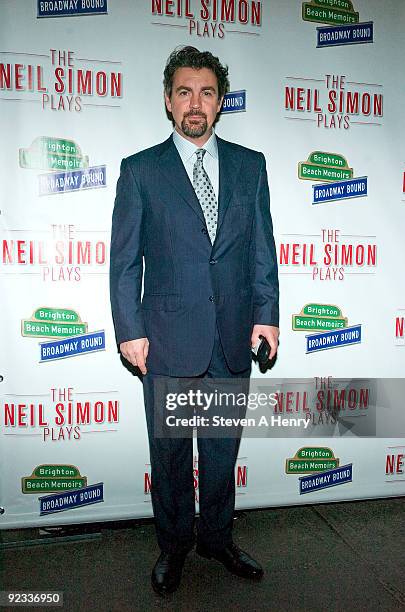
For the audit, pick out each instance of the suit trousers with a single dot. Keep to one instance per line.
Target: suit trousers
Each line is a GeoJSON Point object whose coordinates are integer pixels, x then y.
{"type": "Point", "coordinates": [172, 487]}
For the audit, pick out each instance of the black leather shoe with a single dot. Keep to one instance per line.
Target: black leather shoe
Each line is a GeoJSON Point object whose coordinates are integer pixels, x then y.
{"type": "Point", "coordinates": [166, 574]}
{"type": "Point", "coordinates": [235, 560]}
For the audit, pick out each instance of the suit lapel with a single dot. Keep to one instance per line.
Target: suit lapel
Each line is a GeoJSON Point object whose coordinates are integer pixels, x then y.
{"type": "Point", "coordinates": [229, 165]}
{"type": "Point", "coordinates": [172, 167]}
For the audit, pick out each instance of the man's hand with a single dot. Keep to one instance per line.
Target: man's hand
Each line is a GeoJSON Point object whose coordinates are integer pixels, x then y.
{"type": "Point", "coordinates": [270, 332]}
{"type": "Point", "coordinates": [136, 352]}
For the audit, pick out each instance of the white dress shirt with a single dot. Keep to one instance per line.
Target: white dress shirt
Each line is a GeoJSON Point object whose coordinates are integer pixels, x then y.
{"type": "Point", "coordinates": [187, 150]}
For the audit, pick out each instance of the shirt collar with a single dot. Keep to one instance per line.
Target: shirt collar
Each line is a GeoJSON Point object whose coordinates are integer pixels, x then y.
{"type": "Point", "coordinates": [186, 148]}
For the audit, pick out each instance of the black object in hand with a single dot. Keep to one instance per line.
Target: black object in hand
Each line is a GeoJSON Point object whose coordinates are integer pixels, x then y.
{"type": "Point", "coordinates": [263, 351]}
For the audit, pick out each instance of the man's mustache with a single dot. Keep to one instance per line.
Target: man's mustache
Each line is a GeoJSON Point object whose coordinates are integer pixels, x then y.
{"type": "Point", "coordinates": [194, 114]}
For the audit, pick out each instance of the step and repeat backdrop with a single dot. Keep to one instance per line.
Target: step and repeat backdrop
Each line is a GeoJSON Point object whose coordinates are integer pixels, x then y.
{"type": "Point", "coordinates": [317, 87]}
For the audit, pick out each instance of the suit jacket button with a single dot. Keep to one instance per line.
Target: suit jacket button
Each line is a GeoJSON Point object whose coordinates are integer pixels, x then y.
{"type": "Point", "coordinates": [204, 231]}
{"type": "Point", "coordinates": [212, 298]}
{"type": "Point", "coordinates": [213, 261]}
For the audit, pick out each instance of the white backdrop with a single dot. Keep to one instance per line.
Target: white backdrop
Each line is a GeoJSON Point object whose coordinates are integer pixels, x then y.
{"type": "Point", "coordinates": [66, 123]}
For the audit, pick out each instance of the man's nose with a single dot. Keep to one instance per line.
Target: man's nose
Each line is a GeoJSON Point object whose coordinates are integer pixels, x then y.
{"type": "Point", "coordinates": [195, 101]}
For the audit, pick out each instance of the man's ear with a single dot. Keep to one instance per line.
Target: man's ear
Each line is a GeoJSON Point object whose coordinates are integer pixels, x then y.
{"type": "Point", "coordinates": [168, 103]}
{"type": "Point", "coordinates": [220, 103]}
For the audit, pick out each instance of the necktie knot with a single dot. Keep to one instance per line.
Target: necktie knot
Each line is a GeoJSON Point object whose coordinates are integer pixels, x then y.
{"type": "Point", "coordinates": [200, 154]}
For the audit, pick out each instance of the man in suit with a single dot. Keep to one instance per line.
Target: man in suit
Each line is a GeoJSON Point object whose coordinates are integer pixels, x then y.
{"type": "Point", "coordinates": [194, 210]}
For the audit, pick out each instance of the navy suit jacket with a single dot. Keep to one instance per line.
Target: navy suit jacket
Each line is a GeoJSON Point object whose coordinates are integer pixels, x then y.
{"type": "Point", "coordinates": [159, 236]}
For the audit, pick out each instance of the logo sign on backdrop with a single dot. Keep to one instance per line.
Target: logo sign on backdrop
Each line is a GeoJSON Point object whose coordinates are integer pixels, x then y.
{"type": "Point", "coordinates": [335, 256]}
{"type": "Point", "coordinates": [319, 317]}
{"type": "Point", "coordinates": [324, 480]}
{"type": "Point", "coordinates": [62, 182]}
{"type": "Point", "coordinates": [395, 464]}
{"type": "Point", "coordinates": [322, 166]}
{"type": "Point", "coordinates": [325, 401]}
{"type": "Point", "coordinates": [61, 417]}
{"type": "Point", "coordinates": [334, 339]}
{"type": "Point", "coordinates": [47, 153]}
{"type": "Point", "coordinates": [234, 102]}
{"type": "Point", "coordinates": [209, 19]}
{"type": "Point", "coordinates": [65, 256]}
{"type": "Point", "coordinates": [344, 28]}
{"type": "Point", "coordinates": [334, 169]}
{"type": "Point", "coordinates": [330, 11]}
{"type": "Point", "coordinates": [61, 85]}
{"type": "Point", "coordinates": [53, 323]}
{"type": "Point", "coordinates": [53, 154]}
{"type": "Point", "coordinates": [311, 460]}
{"type": "Point", "coordinates": [332, 325]}
{"type": "Point", "coordinates": [53, 478]}
{"type": "Point", "coordinates": [69, 339]}
{"type": "Point", "coordinates": [69, 8]}
{"type": "Point", "coordinates": [400, 328]}
{"type": "Point", "coordinates": [345, 35]}
{"type": "Point", "coordinates": [93, 494]}
{"type": "Point", "coordinates": [72, 347]}
{"type": "Point", "coordinates": [322, 467]}
{"type": "Point", "coordinates": [334, 101]}
{"type": "Point", "coordinates": [343, 190]}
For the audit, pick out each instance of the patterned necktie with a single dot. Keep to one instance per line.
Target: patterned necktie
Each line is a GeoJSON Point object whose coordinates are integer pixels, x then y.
{"type": "Point", "coordinates": [205, 194]}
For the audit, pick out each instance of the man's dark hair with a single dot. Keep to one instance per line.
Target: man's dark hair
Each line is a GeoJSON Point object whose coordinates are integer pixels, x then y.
{"type": "Point", "coordinates": [190, 57]}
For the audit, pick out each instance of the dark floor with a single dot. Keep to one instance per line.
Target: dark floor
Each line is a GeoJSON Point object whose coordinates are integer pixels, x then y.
{"type": "Point", "coordinates": [342, 556]}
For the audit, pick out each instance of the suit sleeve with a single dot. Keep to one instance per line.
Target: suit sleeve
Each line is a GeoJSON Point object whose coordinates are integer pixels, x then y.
{"type": "Point", "coordinates": [126, 258]}
{"type": "Point", "coordinates": [265, 282]}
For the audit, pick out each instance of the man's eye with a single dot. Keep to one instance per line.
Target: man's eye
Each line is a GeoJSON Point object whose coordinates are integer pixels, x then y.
{"type": "Point", "coordinates": [183, 93]}
{"type": "Point", "coordinates": [208, 93]}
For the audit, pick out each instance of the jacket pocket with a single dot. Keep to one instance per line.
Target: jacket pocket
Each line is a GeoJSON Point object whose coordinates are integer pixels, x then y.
{"type": "Point", "coordinates": [161, 302]}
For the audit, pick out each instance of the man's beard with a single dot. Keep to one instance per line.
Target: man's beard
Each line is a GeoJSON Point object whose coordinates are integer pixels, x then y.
{"type": "Point", "coordinates": [194, 130]}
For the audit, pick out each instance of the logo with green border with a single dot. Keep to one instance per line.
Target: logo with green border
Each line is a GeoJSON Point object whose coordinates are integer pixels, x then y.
{"type": "Point", "coordinates": [311, 460]}
{"type": "Point", "coordinates": [319, 317]}
{"type": "Point", "coordinates": [332, 12]}
{"type": "Point", "coordinates": [67, 169]}
{"type": "Point", "coordinates": [340, 23]}
{"type": "Point", "coordinates": [325, 167]}
{"type": "Point", "coordinates": [53, 478]}
{"type": "Point", "coordinates": [47, 322]}
{"type": "Point", "coordinates": [336, 178]}
{"type": "Point", "coordinates": [48, 153]}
